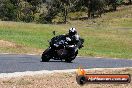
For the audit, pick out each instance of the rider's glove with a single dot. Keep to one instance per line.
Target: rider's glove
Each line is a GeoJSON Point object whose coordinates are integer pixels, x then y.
{"type": "Point", "coordinates": [56, 45]}
{"type": "Point", "coordinates": [68, 39]}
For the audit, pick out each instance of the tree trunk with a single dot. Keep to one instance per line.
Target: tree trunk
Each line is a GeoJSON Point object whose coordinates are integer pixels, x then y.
{"type": "Point", "coordinates": [89, 13]}
{"type": "Point", "coordinates": [65, 14]}
{"type": "Point", "coordinates": [130, 1]}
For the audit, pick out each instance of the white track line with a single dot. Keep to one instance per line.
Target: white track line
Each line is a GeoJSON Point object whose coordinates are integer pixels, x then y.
{"type": "Point", "coordinates": [32, 73]}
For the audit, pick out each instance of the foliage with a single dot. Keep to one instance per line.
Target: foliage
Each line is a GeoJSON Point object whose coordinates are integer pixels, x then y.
{"type": "Point", "coordinates": [34, 10]}
{"type": "Point", "coordinates": [7, 10]}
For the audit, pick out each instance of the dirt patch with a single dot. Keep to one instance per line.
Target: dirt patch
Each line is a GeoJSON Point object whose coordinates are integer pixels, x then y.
{"type": "Point", "coordinates": [13, 48]}
{"type": "Point", "coordinates": [61, 80]}
{"type": "Point", "coordinates": [6, 44]}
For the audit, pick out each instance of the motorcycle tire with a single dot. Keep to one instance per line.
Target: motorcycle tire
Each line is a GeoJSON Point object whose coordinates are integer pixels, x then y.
{"type": "Point", "coordinates": [69, 60]}
{"type": "Point", "coordinates": [46, 55]}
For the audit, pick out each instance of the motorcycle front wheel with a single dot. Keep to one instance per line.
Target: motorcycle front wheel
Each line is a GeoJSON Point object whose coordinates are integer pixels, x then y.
{"type": "Point", "coordinates": [46, 55]}
{"type": "Point", "coordinates": [69, 60]}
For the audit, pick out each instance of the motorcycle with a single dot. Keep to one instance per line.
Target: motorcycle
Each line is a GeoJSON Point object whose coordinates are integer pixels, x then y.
{"type": "Point", "coordinates": [59, 49]}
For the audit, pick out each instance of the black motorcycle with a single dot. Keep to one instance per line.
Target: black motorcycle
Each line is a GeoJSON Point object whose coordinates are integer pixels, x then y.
{"type": "Point", "coordinates": [59, 49]}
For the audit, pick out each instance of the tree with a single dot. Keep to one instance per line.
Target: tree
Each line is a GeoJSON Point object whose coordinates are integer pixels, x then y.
{"type": "Point", "coordinates": [35, 4]}
{"type": "Point", "coordinates": [7, 10]}
{"type": "Point", "coordinates": [65, 6]}
{"type": "Point", "coordinates": [111, 3]}
{"type": "Point", "coordinates": [130, 1]}
{"type": "Point", "coordinates": [94, 6]}
{"type": "Point", "coordinates": [53, 9]}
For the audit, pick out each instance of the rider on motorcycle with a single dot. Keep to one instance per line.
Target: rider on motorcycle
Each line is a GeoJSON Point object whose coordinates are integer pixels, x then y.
{"type": "Point", "coordinates": [63, 47]}
{"type": "Point", "coordinates": [73, 40]}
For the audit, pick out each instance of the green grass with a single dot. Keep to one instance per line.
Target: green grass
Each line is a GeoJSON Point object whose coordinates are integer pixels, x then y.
{"type": "Point", "coordinates": [32, 35]}
{"type": "Point", "coordinates": [109, 36]}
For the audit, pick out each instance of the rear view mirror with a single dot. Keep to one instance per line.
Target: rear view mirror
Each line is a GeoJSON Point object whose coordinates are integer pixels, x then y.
{"type": "Point", "coordinates": [54, 32]}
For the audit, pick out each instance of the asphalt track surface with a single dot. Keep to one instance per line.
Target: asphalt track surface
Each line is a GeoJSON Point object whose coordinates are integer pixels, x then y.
{"type": "Point", "coordinates": [22, 63]}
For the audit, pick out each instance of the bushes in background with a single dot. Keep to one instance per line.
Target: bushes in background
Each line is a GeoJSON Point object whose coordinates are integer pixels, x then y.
{"type": "Point", "coordinates": [45, 11]}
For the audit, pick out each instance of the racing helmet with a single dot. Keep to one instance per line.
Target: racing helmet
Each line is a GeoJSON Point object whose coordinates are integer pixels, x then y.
{"type": "Point", "coordinates": [72, 31]}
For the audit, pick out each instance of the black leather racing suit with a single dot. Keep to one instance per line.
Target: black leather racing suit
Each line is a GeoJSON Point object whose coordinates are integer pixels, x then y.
{"type": "Point", "coordinates": [73, 41]}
